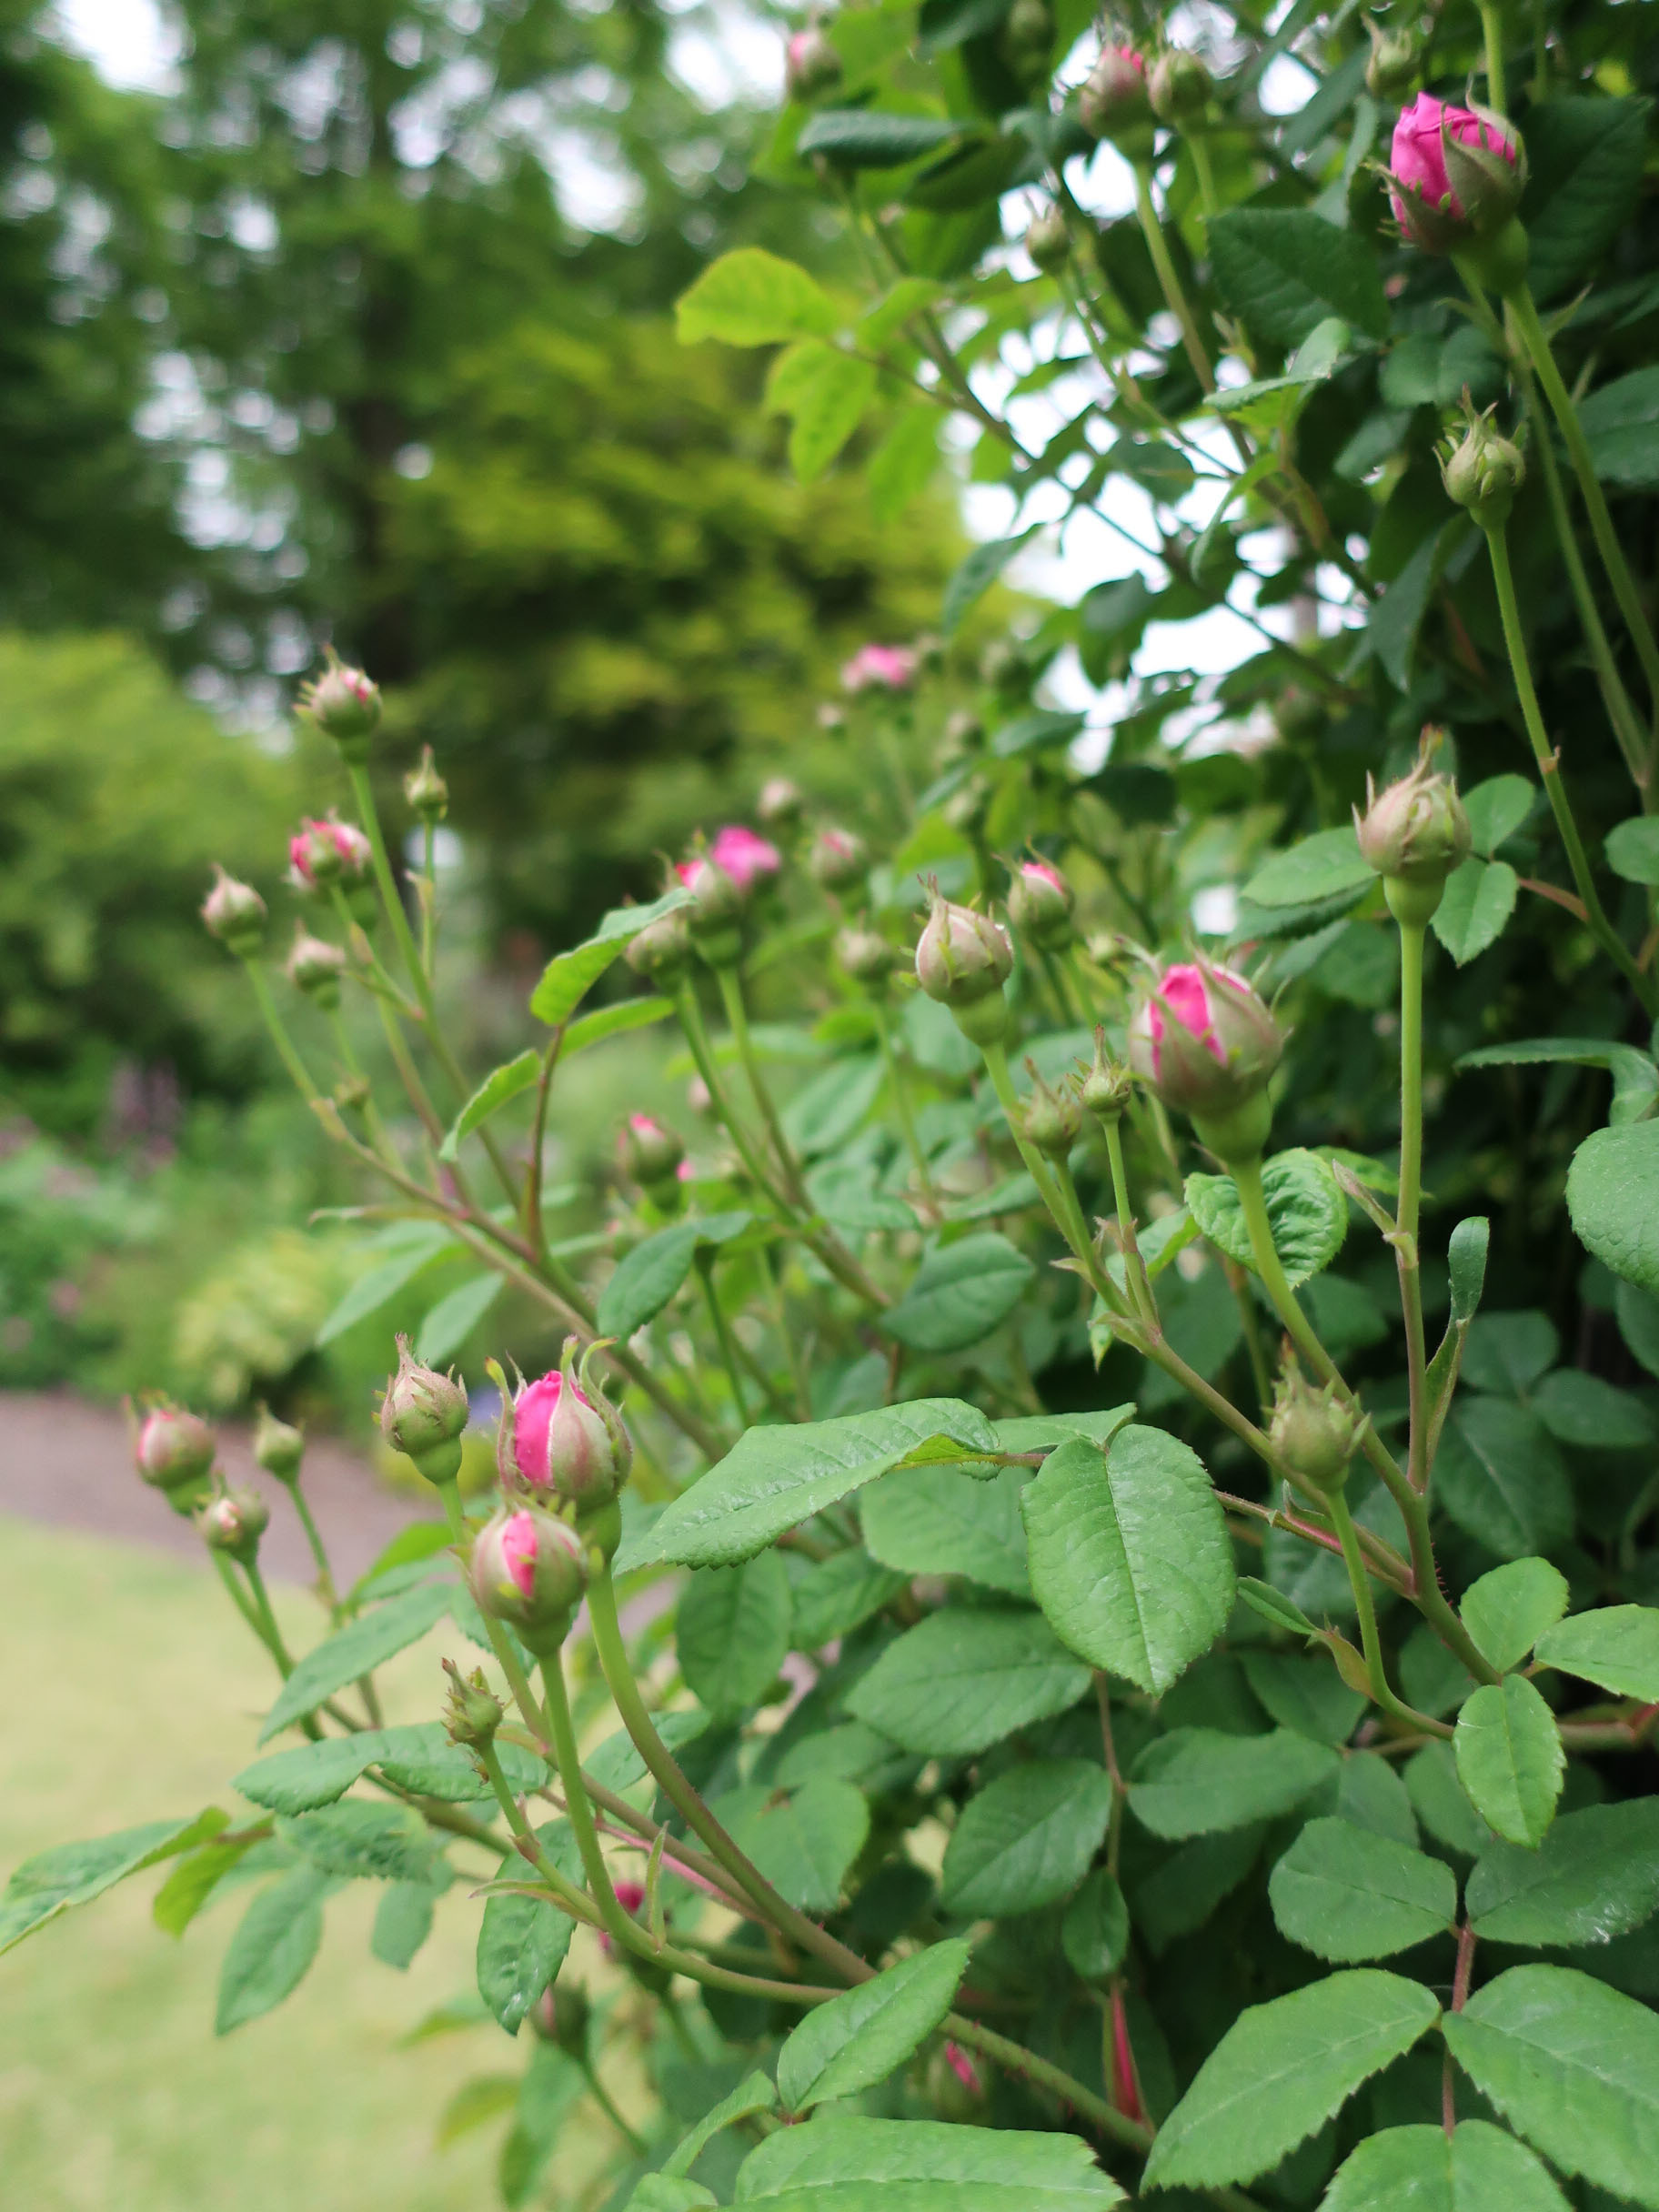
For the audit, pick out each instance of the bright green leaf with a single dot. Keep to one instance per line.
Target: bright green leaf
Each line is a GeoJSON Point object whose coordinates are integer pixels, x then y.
{"type": "Point", "coordinates": [357, 1650]}
{"type": "Point", "coordinates": [54, 1881]}
{"type": "Point", "coordinates": [1027, 1838]}
{"type": "Point", "coordinates": [1320, 867]}
{"type": "Point", "coordinates": [1612, 1197]}
{"type": "Point", "coordinates": [1197, 1781]}
{"type": "Point", "coordinates": [1305, 1207]}
{"type": "Point", "coordinates": [939, 1521]}
{"type": "Point", "coordinates": [824, 392]}
{"type": "Point", "coordinates": [803, 1843]}
{"type": "Point", "coordinates": [734, 1632]}
{"type": "Point", "coordinates": [837, 2163]}
{"type": "Point", "coordinates": [1595, 1875]}
{"type": "Point", "coordinates": [569, 977]}
{"type": "Point", "coordinates": [1496, 810]}
{"type": "Point", "coordinates": [492, 1094]}
{"type": "Point", "coordinates": [1480, 897]}
{"type": "Point", "coordinates": [856, 2039]}
{"type": "Point", "coordinates": [1477, 2168]}
{"type": "Point", "coordinates": [959, 1294]}
{"type": "Point", "coordinates": [1346, 1894]}
{"type": "Point", "coordinates": [1508, 1610]}
{"type": "Point", "coordinates": [1617, 1646]}
{"type": "Point", "coordinates": [273, 1947]}
{"type": "Point", "coordinates": [1510, 1759]}
{"type": "Point", "coordinates": [751, 297]}
{"type": "Point", "coordinates": [962, 1680]}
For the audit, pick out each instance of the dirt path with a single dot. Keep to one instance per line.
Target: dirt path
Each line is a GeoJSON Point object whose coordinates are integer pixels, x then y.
{"type": "Point", "coordinates": [63, 1459]}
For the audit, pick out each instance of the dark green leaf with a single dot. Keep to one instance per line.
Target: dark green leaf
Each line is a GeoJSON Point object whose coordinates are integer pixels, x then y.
{"type": "Point", "coordinates": [493, 1093]}
{"type": "Point", "coordinates": [1496, 810]}
{"type": "Point", "coordinates": [944, 24]}
{"type": "Point", "coordinates": [1274, 1607]}
{"type": "Point", "coordinates": [1510, 1759]}
{"type": "Point", "coordinates": [74, 1873]}
{"type": "Point", "coordinates": [1622, 423]}
{"type": "Point", "coordinates": [839, 1594]}
{"type": "Point", "coordinates": [272, 1948]}
{"type": "Point", "coordinates": [839, 2164]}
{"type": "Point", "coordinates": [939, 1521]}
{"type": "Point", "coordinates": [522, 1942]}
{"type": "Point", "coordinates": [1094, 1934]}
{"type": "Point", "coordinates": [645, 1280]}
{"type": "Point", "coordinates": [975, 576]}
{"type": "Point", "coordinates": [403, 1921]}
{"type": "Point", "coordinates": [773, 1478]}
{"type": "Point", "coordinates": [1509, 1352]}
{"type": "Point", "coordinates": [1466, 1262]}
{"type": "Point", "coordinates": [859, 2037]}
{"type": "Point", "coordinates": [1612, 1197]}
{"type": "Point", "coordinates": [1614, 1645]}
{"type": "Point", "coordinates": [1322, 866]}
{"type": "Point", "coordinates": [1635, 1079]}
{"type": "Point", "coordinates": [1346, 1894]}
{"type": "Point", "coordinates": [962, 1680]}
{"type": "Point", "coordinates": [803, 1843]}
{"type": "Point", "coordinates": [1595, 1875]}
{"type": "Point", "coordinates": [828, 1111]}
{"type": "Point", "coordinates": [734, 1632]}
{"type": "Point", "coordinates": [870, 138]}
{"type": "Point", "coordinates": [616, 1020]}
{"type": "Point", "coordinates": [446, 1325]}
{"type": "Point", "coordinates": [568, 977]}
{"type": "Point", "coordinates": [1477, 2168]}
{"type": "Point", "coordinates": [355, 1650]}
{"type": "Point", "coordinates": [959, 1294]}
{"type": "Point", "coordinates": [1027, 1838]}
{"type": "Point", "coordinates": [1305, 1207]}
{"type": "Point", "coordinates": [1581, 1410]}
{"type": "Point", "coordinates": [1283, 270]}
{"type": "Point", "coordinates": [1587, 159]}
{"type": "Point", "coordinates": [1480, 898]}
{"type": "Point", "coordinates": [1574, 2066]}
{"type": "Point", "coordinates": [1130, 1555]}
{"type": "Point", "coordinates": [388, 1843]}
{"type": "Point", "coordinates": [1501, 1477]}
{"type": "Point", "coordinates": [1282, 2071]}
{"type": "Point", "coordinates": [1197, 1781]}
{"type": "Point", "coordinates": [1441, 1804]}
{"type": "Point", "coordinates": [1306, 1695]}
{"type": "Point", "coordinates": [1508, 1610]}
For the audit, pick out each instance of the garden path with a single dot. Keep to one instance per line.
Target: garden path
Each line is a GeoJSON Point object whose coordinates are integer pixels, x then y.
{"type": "Point", "coordinates": [66, 1460]}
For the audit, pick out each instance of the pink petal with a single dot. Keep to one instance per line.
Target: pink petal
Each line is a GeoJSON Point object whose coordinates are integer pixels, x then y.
{"type": "Point", "coordinates": [518, 1550]}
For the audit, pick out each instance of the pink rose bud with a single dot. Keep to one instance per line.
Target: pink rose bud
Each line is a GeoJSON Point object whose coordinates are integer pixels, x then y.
{"type": "Point", "coordinates": [631, 1897]}
{"type": "Point", "coordinates": [879, 668]}
{"type": "Point", "coordinates": [866, 955]}
{"type": "Point", "coordinates": [953, 2085]}
{"type": "Point", "coordinates": [1206, 1044]}
{"type": "Point", "coordinates": [316, 967]}
{"type": "Point", "coordinates": [746, 859]}
{"type": "Point", "coordinates": [562, 1438]}
{"type": "Point", "coordinates": [811, 67]}
{"type": "Point", "coordinates": [963, 960]}
{"type": "Point", "coordinates": [528, 1569]}
{"type": "Point", "coordinates": [423, 1415]}
{"type": "Point", "coordinates": [649, 1153]}
{"type": "Point", "coordinates": [174, 1452]}
{"type": "Point", "coordinates": [233, 1522]}
{"type": "Point", "coordinates": [235, 913]}
{"type": "Point", "coordinates": [715, 914]}
{"type": "Point", "coordinates": [1040, 904]}
{"type": "Point", "coordinates": [1114, 104]}
{"type": "Point", "coordinates": [345, 705]}
{"type": "Point", "coordinates": [324, 852]}
{"type": "Point", "coordinates": [779, 802]}
{"type": "Point", "coordinates": [1456, 173]}
{"type": "Point", "coordinates": [277, 1448]}
{"type": "Point", "coordinates": [839, 858]}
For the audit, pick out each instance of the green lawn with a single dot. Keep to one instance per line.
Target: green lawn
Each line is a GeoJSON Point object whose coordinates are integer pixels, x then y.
{"type": "Point", "coordinates": [131, 1694]}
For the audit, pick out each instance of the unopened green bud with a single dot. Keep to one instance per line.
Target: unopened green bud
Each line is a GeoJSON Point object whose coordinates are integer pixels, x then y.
{"type": "Point", "coordinates": [1052, 1119]}
{"type": "Point", "coordinates": [1048, 240]}
{"type": "Point", "coordinates": [1179, 86]}
{"type": "Point", "coordinates": [472, 1711]}
{"type": "Point", "coordinates": [1028, 39]}
{"type": "Point", "coordinates": [345, 705]}
{"type": "Point", "coordinates": [1104, 1091]}
{"type": "Point", "coordinates": [1394, 63]}
{"type": "Point", "coordinates": [865, 955]}
{"type": "Point", "coordinates": [174, 1452]}
{"type": "Point", "coordinates": [423, 1415]}
{"type": "Point", "coordinates": [426, 790]}
{"type": "Point", "coordinates": [1315, 1432]}
{"type": "Point", "coordinates": [1483, 472]}
{"type": "Point", "coordinates": [316, 967]}
{"type": "Point", "coordinates": [277, 1448]}
{"type": "Point", "coordinates": [1040, 904]}
{"type": "Point", "coordinates": [1415, 834]}
{"type": "Point", "coordinates": [660, 950]}
{"type": "Point", "coordinates": [963, 960]}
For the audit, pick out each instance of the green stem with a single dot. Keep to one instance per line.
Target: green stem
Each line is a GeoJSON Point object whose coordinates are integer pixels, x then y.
{"type": "Point", "coordinates": [262, 1602]}
{"type": "Point", "coordinates": [1549, 769]}
{"type": "Point", "coordinates": [901, 1102]}
{"type": "Point", "coordinates": [607, 2105]}
{"type": "Point", "coordinates": [1491, 32]}
{"type": "Point", "coordinates": [1359, 1582]}
{"type": "Point", "coordinates": [284, 1044]}
{"type": "Point", "coordinates": [737, 1015]}
{"type": "Point", "coordinates": [239, 1596]}
{"type": "Point", "coordinates": [1175, 299]}
{"type": "Point", "coordinates": [619, 1677]}
{"type": "Point", "coordinates": [1406, 1255]}
{"type": "Point", "coordinates": [314, 1537]}
{"type": "Point", "coordinates": [1205, 174]}
{"type": "Point", "coordinates": [1524, 309]}
{"type": "Point", "coordinates": [621, 1925]}
{"type": "Point", "coordinates": [722, 1331]}
{"type": "Point", "coordinates": [1135, 1267]}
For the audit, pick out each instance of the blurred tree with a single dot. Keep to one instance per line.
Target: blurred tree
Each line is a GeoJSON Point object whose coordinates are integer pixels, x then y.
{"type": "Point", "coordinates": [87, 532]}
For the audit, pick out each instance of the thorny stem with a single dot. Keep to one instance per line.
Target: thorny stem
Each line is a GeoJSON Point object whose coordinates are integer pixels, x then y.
{"type": "Point", "coordinates": [1525, 312]}
{"type": "Point", "coordinates": [1462, 1973]}
{"type": "Point", "coordinates": [1407, 1254]}
{"type": "Point", "coordinates": [1549, 769]}
{"type": "Point", "coordinates": [1359, 1581]}
{"type": "Point", "coordinates": [621, 1925]}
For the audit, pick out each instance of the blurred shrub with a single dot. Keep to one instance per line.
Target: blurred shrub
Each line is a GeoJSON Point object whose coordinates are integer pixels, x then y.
{"type": "Point", "coordinates": [116, 794]}
{"type": "Point", "coordinates": [254, 1317]}
{"type": "Point", "coordinates": [55, 1215]}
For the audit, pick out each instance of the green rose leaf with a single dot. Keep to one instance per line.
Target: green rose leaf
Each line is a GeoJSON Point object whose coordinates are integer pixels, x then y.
{"type": "Point", "coordinates": [1346, 1894]}
{"type": "Point", "coordinates": [839, 2164]}
{"type": "Point", "coordinates": [1283, 270]}
{"type": "Point", "coordinates": [1508, 1610]}
{"type": "Point", "coordinates": [1612, 1198]}
{"type": "Point", "coordinates": [1196, 1781]}
{"type": "Point", "coordinates": [355, 1650]}
{"type": "Point", "coordinates": [856, 2039]}
{"type": "Point", "coordinates": [751, 297]}
{"type": "Point", "coordinates": [1027, 1838]}
{"type": "Point", "coordinates": [1509, 1758]}
{"type": "Point", "coordinates": [959, 1294]}
{"type": "Point", "coordinates": [734, 1632]}
{"type": "Point", "coordinates": [1476, 2166]}
{"type": "Point", "coordinates": [1130, 1556]}
{"type": "Point", "coordinates": [273, 1947]}
{"type": "Point", "coordinates": [1305, 1207]}
{"type": "Point", "coordinates": [1595, 1875]}
{"type": "Point", "coordinates": [804, 1843]}
{"type": "Point", "coordinates": [1280, 2071]}
{"type": "Point", "coordinates": [1501, 1477]}
{"type": "Point", "coordinates": [569, 977]}
{"type": "Point", "coordinates": [962, 1680]}
{"type": "Point", "coordinates": [1574, 2066]}
{"type": "Point", "coordinates": [939, 1521]}
{"type": "Point", "coordinates": [1617, 1646]}
{"type": "Point", "coordinates": [1480, 898]}
{"type": "Point", "coordinates": [52, 1882]}
{"type": "Point", "coordinates": [522, 1941]}
{"type": "Point", "coordinates": [1322, 865]}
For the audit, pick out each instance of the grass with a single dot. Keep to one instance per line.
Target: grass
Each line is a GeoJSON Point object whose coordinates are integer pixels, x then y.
{"type": "Point", "coordinates": [132, 1693]}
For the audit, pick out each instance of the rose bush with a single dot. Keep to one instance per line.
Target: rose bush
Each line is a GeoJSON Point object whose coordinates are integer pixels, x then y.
{"type": "Point", "coordinates": [1162, 1681]}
